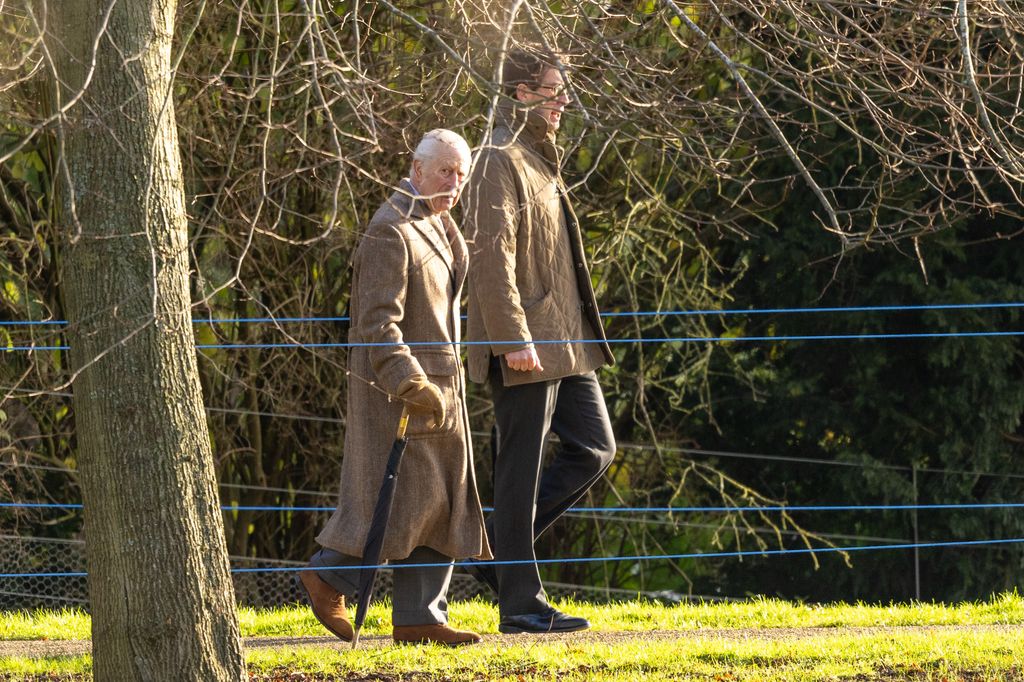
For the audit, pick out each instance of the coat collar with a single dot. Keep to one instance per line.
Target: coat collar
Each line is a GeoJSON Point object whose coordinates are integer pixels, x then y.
{"type": "Point", "coordinates": [459, 250]}
{"type": "Point", "coordinates": [404, 201]}
{"type": "Point", "coordinates": [431, 226]}
{"type": "Point", "coordinates": [530, 129]}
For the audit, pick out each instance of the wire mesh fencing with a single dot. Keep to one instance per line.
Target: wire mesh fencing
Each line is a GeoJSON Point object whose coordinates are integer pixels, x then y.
{"type": "Point", "coordinates": [44, 557]}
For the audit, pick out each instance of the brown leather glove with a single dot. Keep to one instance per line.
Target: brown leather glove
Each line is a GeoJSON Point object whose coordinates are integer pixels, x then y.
{"type": "Point", "coordinates": [424, 398]}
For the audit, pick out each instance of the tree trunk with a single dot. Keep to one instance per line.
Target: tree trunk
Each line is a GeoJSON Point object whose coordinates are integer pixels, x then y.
{"type": "Point", "coordinates": [159, 582]}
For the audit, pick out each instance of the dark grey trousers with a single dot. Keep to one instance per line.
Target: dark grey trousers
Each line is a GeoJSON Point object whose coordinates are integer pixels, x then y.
{"type": "Point", "coordinates": [527, 499]}
{"type": "Point", "coordinates": [420, 595]}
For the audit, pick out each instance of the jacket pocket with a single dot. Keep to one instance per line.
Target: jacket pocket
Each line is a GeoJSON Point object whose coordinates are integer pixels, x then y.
{"type": "Point", "coordinates": [442, 369]}
{"type": "Point", "coordinates": [437, 361]}
{"type": "Point", "coordinates": [538, 316]}
{"type": "Point", "coordinates": [548, 328]}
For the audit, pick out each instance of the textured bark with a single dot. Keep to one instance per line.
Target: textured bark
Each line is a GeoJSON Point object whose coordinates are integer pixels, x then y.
{"type": "Point", "coordinates": [159, 582]}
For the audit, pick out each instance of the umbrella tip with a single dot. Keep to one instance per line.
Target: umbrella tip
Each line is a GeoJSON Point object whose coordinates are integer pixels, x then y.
{"type": "Point", "coordinates": [355, 638]}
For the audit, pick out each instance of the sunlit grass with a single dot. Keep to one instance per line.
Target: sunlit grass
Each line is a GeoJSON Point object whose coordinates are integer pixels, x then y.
{"type": "Point", "coordinates": [16, 667]}
{"type": "Point", "coordinates": [932, 655]}
{"type": "Point", "coordinates": [642, 616]}
{"type": "Point", "coordinates": [950, 656]}
{"type": "Point", "coordinates": [45, 624]}
{"type": "Point", "coordinates": [632, 616]}
{"type": "Point", "coordinates": [685, 642]}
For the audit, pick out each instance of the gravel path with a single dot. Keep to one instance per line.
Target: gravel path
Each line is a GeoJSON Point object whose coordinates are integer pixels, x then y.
{"type": "Point", "coordinates": [36, 648]}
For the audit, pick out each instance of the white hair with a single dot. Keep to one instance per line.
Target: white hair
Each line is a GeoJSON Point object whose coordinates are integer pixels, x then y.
{"type": "Point", "coordinates": [432, 142]}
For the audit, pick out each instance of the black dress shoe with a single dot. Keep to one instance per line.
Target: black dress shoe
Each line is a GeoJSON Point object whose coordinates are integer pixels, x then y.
{"type": "Point", "coordinates": [551, 620]}
{"type": "Point", "coordinates": [483, 574]}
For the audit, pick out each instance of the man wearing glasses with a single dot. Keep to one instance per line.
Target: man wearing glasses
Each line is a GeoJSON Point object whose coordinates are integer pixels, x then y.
{"type": "Point", "coordinates": [531, 300]}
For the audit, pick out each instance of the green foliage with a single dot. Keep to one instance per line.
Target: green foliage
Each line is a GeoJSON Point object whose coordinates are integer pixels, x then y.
{"type": "Point", "coordinates": [945, 406]}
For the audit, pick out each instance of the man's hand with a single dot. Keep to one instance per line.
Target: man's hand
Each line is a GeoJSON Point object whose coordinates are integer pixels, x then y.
{"type": "Point", "coordinates": [424, 398]}
{"type": "Point", "coordinates": [525, 360]}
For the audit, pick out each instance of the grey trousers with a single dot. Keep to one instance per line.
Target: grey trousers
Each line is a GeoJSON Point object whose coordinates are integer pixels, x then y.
{"type": "Point", "coordinates": [419, 596]}
{"type": "Point", "coordinates": [527, 499]}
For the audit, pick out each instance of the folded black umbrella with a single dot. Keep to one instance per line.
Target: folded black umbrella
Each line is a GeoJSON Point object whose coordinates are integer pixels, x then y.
{"type": "Point", "coordinates": [378, 525]}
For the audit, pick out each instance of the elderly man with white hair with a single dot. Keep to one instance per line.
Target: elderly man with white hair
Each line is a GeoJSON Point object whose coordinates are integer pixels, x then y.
{"type": "Point", "coordinates": [407, 277]}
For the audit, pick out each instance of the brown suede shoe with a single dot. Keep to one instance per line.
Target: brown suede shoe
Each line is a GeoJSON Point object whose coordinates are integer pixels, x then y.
{"type": "Point", "coordinates": [328, 605]}
{"type": "Point", "coordinates": [435, 633]}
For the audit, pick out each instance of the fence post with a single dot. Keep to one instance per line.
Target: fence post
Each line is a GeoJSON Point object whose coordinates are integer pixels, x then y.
{"type": "Point", "coordinates": [917, 550]}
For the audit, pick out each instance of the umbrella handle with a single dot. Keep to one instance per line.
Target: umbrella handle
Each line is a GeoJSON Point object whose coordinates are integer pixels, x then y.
{"type": "Point", "coordinates": [403, 422]}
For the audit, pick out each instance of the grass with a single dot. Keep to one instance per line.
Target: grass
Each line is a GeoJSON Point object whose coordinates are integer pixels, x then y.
{"type": "Point", "coordinates": [632, 616]}
{"type": "Point", "coordinates": [45, 667]}
{"type": "Point", "coordinates": [934, 656]}
{"type": "Point", "coordinates": [698, 646]}
{"type": "Point", "coordinates": [44, 624]}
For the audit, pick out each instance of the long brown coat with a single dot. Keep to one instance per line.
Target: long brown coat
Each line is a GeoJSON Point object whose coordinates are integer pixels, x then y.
{"type": "Point", "coordinates": [406, 282]}
{"type": "Point", "coordinates": [528, 276]}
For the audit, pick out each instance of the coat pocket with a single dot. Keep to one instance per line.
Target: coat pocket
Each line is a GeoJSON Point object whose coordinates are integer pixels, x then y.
{"type": "Point", "coordinates": [547, 326]}
{"type": "Point", "coordinates": [442, 369]}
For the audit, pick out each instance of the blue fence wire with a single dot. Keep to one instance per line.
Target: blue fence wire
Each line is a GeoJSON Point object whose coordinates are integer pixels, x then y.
{"type": "Point", "coordinates": [577, 560]}
{"type": "Point", "coordinates": [680, 340]}
{"type": "Point", "coordinates": [624, 446]}
{"type": "Point", "coordinates": [622, 510]}
{"type": "Point", "coordinates": [667, 339]}
{"type": "Point", "coordinates": [641, 340]}
{"type": "Point", "coordinates": [643, 313]}
{"type": "Point", "coordinates": [665, 557]}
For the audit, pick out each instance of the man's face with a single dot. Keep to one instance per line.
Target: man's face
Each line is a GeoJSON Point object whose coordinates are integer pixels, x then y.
{"type": "Point", "coordinates": [440, 178]}
{"type": "Point", "coordinates": [548, 96]}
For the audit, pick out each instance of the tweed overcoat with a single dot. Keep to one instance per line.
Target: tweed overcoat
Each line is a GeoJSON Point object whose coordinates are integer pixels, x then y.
{"type": "Point", "coordinates": [528, 275]}
{"type": "Point", "coordinates": [406, 281]}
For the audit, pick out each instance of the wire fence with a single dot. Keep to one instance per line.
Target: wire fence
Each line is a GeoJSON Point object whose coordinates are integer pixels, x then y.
{"type": "Point", "coordinates": [56, 575]}
{"type": "Point", "coordinates": [658, 315]}
{"type": "Point", "coordinates": [267, 586]}
{"type": "Point", "coordinates": [638, 313]}
{"type": "Point", "coordinates": [619, 510]}
{"type": "Point", "coordinates": [47, 572]}
{"type": "Point", "coordinates": [37, 572]}
{"type": "Point", "coordinates": [611, 340]}
{"type": "Point", "coordinates": [50, 573]}
{"type": "Point", "coordinates": [621, 445]}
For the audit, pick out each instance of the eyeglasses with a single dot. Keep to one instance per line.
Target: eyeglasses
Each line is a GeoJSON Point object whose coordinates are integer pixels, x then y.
{"type": "Point", "coordinates": [557, 90]}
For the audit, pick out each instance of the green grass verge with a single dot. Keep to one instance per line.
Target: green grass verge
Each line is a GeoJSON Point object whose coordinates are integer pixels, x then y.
{"type": "Point", "coordinates": [633, 616]}
{"type": "Point", "coordinates": [936, 656]}
{"type": "Point", "coordinates": [43, 624]}
{"type": "Point", "coordinates": [45, 667]}
{"type": "Point", "coordinates": [698, 652]}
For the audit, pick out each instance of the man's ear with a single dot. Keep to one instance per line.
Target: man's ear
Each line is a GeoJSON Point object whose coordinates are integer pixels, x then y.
{"type": "Point", "coordinates": [522, 92]}
{"type": "Point", "coordinates": [417, 170]}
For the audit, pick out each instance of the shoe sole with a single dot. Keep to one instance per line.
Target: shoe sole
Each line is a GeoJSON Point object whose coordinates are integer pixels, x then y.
{"type": "Point", "coordinates": [316, 615]}
{"type": "Point", "coordinates": [450, 645]}
{"type": "Point", "coordinates": [513, 630]}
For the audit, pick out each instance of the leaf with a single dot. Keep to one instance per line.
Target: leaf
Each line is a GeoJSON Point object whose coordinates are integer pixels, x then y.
{"type": "Point", "coordinates": [584, 159]}
{"type": "Point", "coordinates": [12, 292]}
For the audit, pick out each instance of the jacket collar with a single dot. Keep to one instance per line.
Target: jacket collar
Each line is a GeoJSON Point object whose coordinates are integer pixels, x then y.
{"type": "Point", "coordinates": [404, 201]}
{"type": "Point", "coordinates": [530, 129]}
